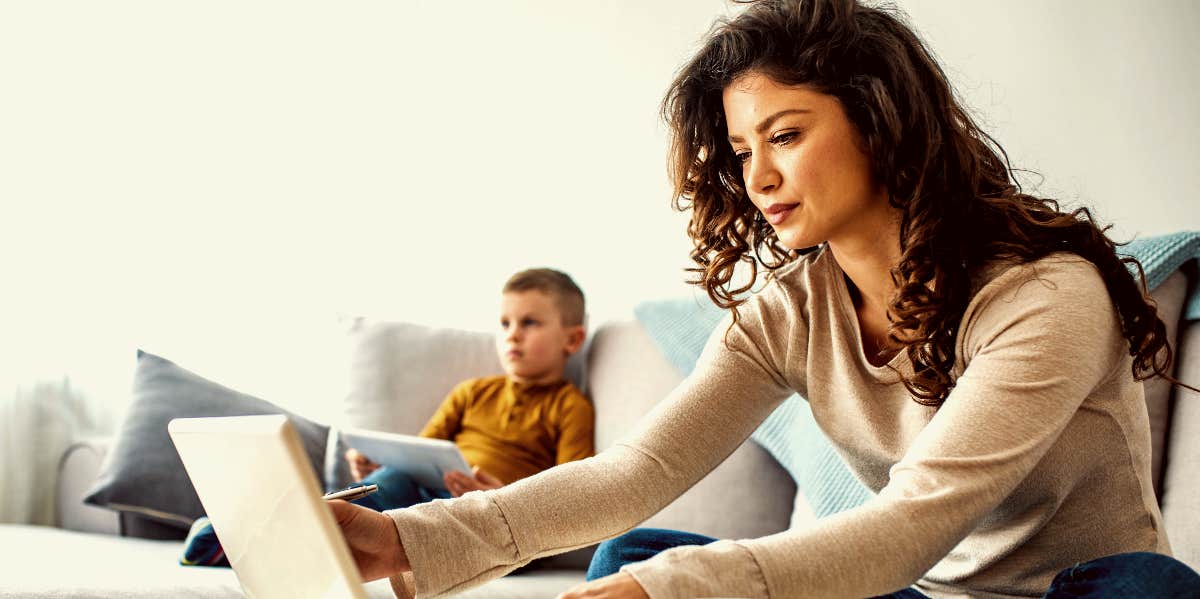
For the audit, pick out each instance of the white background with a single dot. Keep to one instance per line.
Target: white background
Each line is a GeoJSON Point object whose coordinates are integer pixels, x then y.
{"type": "Point", "coordinates": [222, 182]}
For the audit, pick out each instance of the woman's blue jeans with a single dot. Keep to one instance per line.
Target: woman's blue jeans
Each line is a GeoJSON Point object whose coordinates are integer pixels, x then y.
{"type": "Point", "coordinates": [1143, 575]}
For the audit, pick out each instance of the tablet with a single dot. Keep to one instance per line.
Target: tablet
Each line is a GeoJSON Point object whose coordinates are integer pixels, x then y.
{"type": "Point", "coordinates": [425, 460]}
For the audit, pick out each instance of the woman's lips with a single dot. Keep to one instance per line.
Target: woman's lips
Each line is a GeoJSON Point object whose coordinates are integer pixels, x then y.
{"type": "Point", "coordinates": [777, 213]}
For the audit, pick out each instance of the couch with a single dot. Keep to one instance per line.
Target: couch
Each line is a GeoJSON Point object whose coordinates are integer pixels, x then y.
{"type": "Point", "coordinates": [98, 553]}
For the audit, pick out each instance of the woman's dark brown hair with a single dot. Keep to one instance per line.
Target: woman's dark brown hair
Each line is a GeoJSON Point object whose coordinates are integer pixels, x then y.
{"type": "Point", "coordinates": [952, 183]}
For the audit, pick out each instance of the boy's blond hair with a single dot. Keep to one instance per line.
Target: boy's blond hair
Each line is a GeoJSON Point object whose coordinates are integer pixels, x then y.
{"type": "Point", "coordinates": [558, 285]}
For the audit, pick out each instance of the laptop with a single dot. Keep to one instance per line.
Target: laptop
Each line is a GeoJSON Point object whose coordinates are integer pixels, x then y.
{"type": "Point", "coordinates": [265, 504]}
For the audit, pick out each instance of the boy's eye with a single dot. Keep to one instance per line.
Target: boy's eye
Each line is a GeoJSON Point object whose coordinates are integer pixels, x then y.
{"type": "Point", "coordinates": [504, 324]}
{"type": "Point", "coordinates": [529, 322]}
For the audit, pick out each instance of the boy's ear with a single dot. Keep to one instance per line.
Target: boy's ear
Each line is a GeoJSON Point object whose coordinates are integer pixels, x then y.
{"type": "Point", "coordinates": [575, 337]}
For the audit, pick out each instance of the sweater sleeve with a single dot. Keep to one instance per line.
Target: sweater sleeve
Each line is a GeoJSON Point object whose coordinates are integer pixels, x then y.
{"type": "Point", "coordinates": [456, 544]}
{"type": "Point", "coordinates": [1037, 347]}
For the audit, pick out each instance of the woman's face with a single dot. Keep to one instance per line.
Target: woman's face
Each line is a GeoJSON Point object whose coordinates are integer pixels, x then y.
{"type": "Point", "coordinates": [802, 163]}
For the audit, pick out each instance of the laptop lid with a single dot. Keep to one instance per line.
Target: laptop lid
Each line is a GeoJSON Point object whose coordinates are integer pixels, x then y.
{"type": "Point", "coordinates": [265, 504]}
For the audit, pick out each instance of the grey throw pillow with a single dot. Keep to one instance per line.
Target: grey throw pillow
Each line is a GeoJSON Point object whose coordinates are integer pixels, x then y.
{"type": "Point", "coordinates": [143, 474]}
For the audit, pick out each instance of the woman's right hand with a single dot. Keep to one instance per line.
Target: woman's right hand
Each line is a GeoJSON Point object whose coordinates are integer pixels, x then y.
{"type": "Point", "coordinates": [360, 465]}
{"type": "Point", "coordinates": [372, 538]}
{"type": "Point", "coordinates": [621, 585]}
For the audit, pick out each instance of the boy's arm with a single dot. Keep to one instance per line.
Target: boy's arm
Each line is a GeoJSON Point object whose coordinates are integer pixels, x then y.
{"type": "Point", "coordinates": [447, 420]}
{"type": "Point", "coordinates": [575, 430]}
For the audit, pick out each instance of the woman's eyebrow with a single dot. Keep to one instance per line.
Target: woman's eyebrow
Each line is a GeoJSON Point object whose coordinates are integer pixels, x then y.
{"type": "Point", "coordinates": [770, 120]}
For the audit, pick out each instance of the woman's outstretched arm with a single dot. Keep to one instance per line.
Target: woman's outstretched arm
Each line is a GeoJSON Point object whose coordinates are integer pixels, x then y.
{"type": "Point", "coordinates": [452, 545]}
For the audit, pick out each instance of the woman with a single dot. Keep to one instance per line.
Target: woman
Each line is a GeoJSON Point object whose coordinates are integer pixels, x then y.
{"type": "Point", "coordinates": [974, 353]}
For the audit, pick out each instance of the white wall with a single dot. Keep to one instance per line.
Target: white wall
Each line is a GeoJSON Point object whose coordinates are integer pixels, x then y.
{"type": "Point", "coordinates": [218, 182]}
{"type": "Point", "coordinates": [1099, 97]}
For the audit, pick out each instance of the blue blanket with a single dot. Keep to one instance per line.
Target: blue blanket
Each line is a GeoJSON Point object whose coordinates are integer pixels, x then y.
{"type": "Point", "coordinates": [680, 328]}
{"type": "Point", "coordinates": [1160, 256]}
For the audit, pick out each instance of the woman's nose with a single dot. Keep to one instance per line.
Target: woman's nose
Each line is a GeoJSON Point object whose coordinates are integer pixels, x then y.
{"type": "Point", "coordinates": [762, 176]}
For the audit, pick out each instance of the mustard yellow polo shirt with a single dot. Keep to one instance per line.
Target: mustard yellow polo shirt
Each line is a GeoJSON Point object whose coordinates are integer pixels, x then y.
{"type": "Point", "coordinates": [513, 430]}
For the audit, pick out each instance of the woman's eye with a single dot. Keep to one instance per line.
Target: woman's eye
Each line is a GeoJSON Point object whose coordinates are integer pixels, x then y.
{"type": "Point", "coordinates": [742, 157]}
{"type": "Point", "coordinates": [784, 138]}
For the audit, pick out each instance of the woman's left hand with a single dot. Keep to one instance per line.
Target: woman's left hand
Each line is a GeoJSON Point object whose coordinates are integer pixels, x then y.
{"type": "Point", "coordinates": [616, 586]}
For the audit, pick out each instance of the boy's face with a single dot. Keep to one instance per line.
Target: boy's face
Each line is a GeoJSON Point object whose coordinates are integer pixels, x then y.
{"type": "Point", "coordinates": [532, 342]}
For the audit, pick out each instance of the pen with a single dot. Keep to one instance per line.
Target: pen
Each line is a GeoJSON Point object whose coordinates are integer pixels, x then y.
{"type": "Point", "coordinates": [352, 493]}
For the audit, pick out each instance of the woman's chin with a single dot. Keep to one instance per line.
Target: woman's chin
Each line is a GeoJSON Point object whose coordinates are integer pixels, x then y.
{"type": "Point", "coordinates": [795, 240]}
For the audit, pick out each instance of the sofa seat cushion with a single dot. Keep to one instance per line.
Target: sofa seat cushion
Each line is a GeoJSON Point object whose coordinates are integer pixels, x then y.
{"type": "Point", "coordinates": [61, 563]}
{"type": "Point", "coordinates": [73, 565]}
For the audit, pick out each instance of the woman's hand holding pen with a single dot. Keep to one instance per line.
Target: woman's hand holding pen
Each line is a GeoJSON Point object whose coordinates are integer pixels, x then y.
{"type": "Point", "coordinates": [372, 538]}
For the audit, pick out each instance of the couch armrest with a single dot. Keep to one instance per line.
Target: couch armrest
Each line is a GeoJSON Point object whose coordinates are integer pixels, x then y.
{"type": "Point", "coordinates": [77, 470]}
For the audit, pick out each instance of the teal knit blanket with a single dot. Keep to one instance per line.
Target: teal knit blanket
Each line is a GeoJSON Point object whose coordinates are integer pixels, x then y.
{"type": "Point", "coordinates": [680, 328]}
{"type": "Point", "coordinates": [1160, 256]}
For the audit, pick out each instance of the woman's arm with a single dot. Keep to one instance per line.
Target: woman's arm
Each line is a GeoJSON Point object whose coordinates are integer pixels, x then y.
{"type": "Point", "coordinates": [453, 545]}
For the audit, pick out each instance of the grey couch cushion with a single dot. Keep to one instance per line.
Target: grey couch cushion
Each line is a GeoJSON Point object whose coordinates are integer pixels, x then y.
{"type": "Point", "coordinates": [400, 372]}
{"type": "Point", "coordinates": [143, 474]}
{"type": "Point", "coordinates": [749, 495]}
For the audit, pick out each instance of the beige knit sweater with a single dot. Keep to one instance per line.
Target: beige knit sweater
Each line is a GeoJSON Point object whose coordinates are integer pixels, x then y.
{"type": "Point", "coordinates": [1039, 458]}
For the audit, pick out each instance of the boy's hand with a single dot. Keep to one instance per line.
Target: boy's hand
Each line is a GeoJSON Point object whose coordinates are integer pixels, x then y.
{"type": "Point", "coordinates": [360, 465]}
{"type": "Point", "coordinates": [374, 543]}
{"type": "Point", "coordinates": [458, 483]}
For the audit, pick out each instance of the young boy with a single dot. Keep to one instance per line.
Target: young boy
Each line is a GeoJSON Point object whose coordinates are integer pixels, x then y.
{"type": "Point", "coordinates": [508, 427]}
{"type": "Point", "coordinates": [511, 426]}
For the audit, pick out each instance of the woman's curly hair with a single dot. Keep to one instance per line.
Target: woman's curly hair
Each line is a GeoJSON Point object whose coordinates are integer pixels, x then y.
{"type": "Point", "coordinates": [951, 182]}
